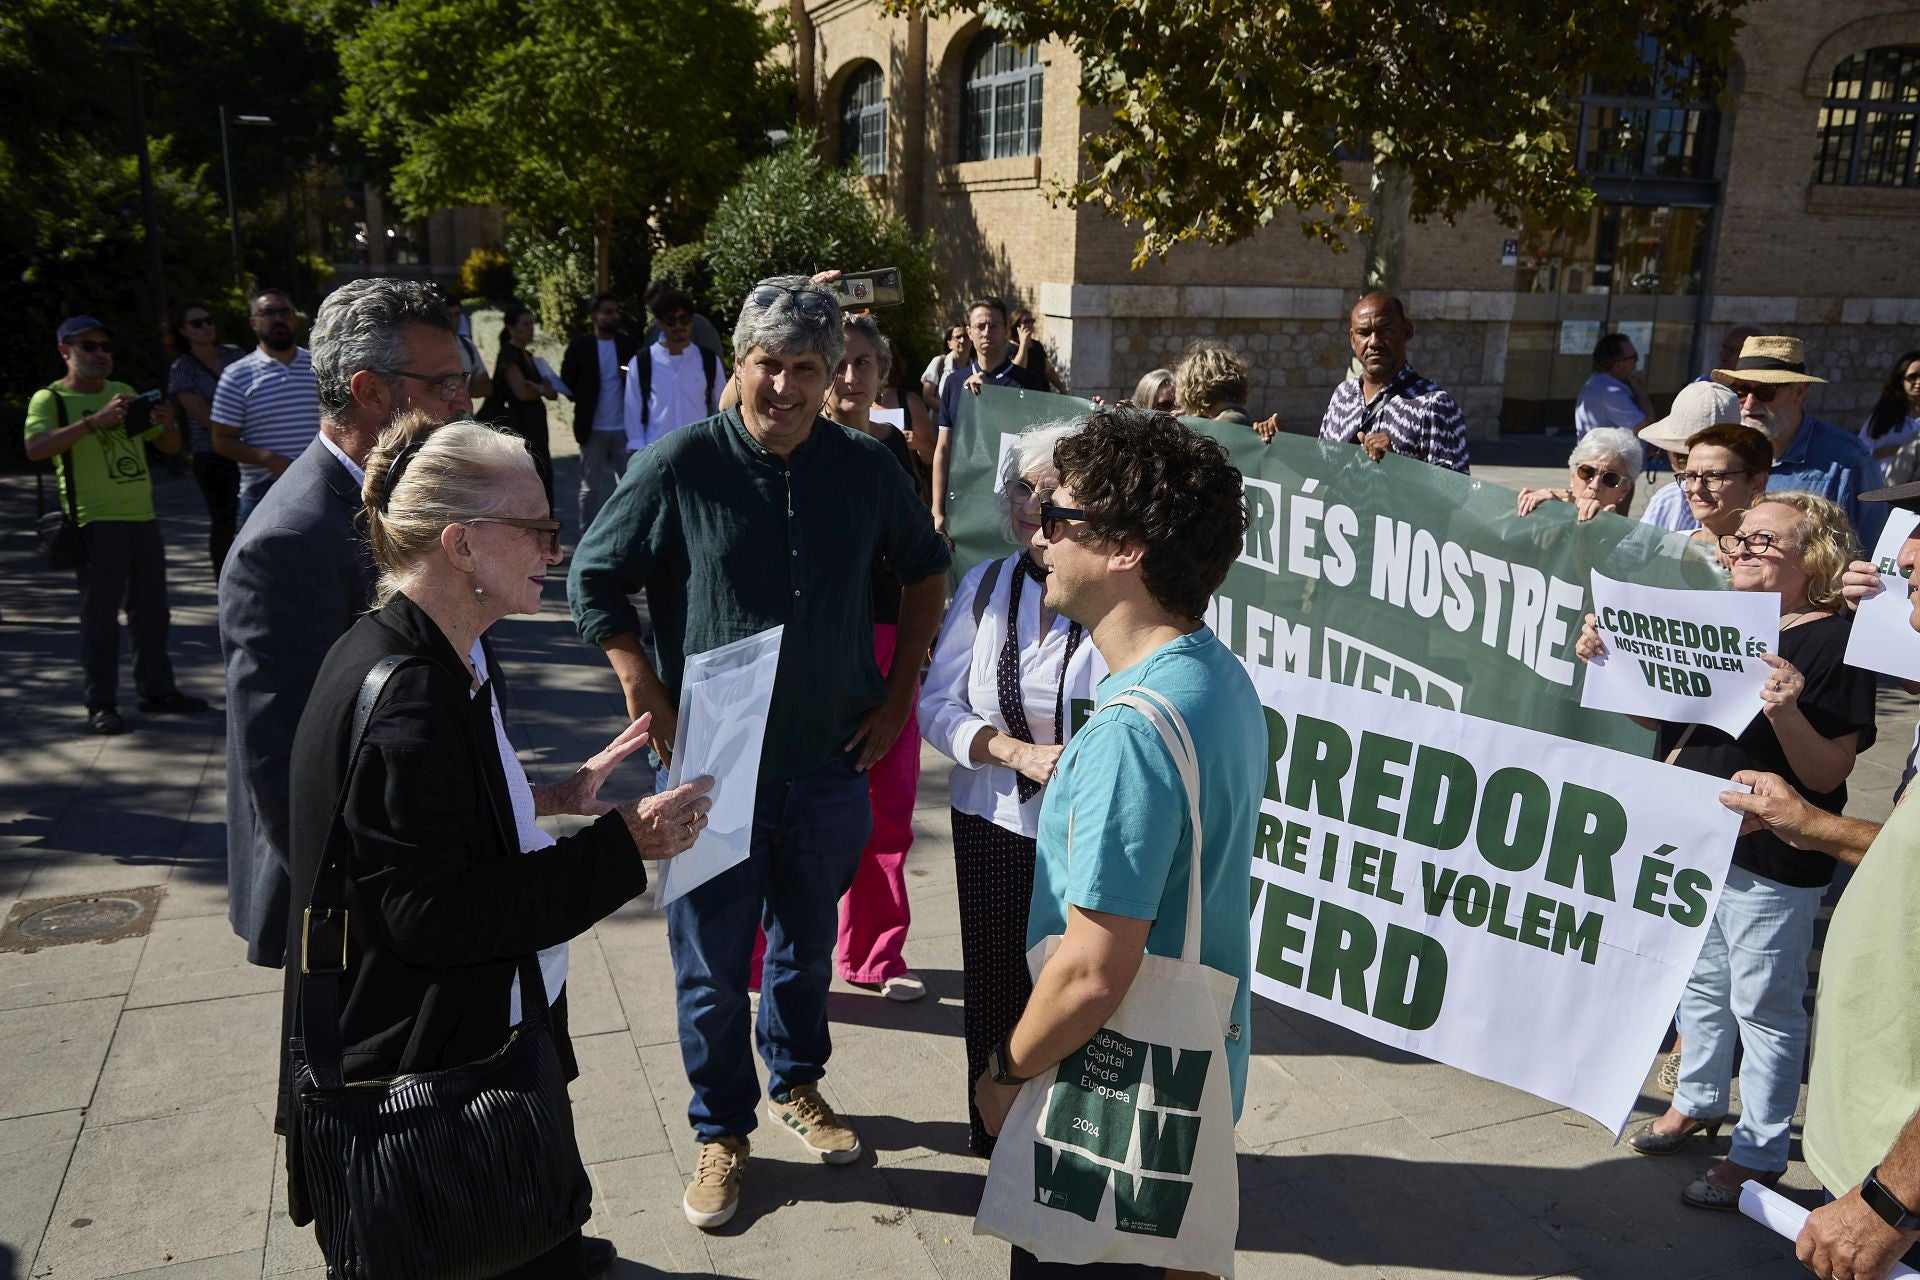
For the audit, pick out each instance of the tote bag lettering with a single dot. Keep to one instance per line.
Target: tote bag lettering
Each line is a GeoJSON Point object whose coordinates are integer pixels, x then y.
{"type": "Point", "coordinates": [1124, 1151]}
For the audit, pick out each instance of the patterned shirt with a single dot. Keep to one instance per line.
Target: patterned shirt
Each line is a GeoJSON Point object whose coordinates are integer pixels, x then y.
{"type": "Point", "coordinates": [1423, 421]}
{"type": "Point", "coordinates": [273, 405]}
{"type": "Point", "coordinates": [190, 375]}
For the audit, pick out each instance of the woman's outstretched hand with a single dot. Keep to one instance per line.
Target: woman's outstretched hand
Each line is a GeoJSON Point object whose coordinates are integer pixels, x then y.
{"type": "Point", "coordinates": [581, 793]}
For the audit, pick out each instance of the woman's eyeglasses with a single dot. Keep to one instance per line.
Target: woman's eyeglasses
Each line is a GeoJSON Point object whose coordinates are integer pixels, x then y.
{"type": "Point", "coordinates": [1756, 542]}
{"type": "Point", "coordinates": [549, 528]}
{"type": "Point", "coordinates": [808, 302]}
{"type": "Point", "coordinates": [198, 322]}
{"type": "Point", "coordinates": [1022, 492]}
{"type": "Point", "coordinates": [1608, 479]}
{"type": "Point", "coordinates": [1052, 517]}
{"type": "Point", "coordinates": [1707, 481]}
{"type": "Point", "coordinates": [447, 385]}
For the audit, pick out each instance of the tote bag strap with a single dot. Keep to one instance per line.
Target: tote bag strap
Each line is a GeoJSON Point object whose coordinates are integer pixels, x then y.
{"type": "Point", "coordinates": [1167, 721]}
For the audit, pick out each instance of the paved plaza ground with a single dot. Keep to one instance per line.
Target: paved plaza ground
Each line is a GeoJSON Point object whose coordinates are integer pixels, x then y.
{"type": "Point", "coordinates": [136, 1076]}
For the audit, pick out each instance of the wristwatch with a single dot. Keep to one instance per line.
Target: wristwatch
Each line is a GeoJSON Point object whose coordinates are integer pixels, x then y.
{"type": "Point", "coordinates": [997, 1066]}
{"type": "Point", "coordinates": [1884, 1203]}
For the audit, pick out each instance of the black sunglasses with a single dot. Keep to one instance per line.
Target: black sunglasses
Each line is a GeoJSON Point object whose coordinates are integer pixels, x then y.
{"type": "Point", "coordinates": [808, 302]}
{"type": "Point", "coordinates": [1764, 392]}
{"type": "Point", "coordinates": [198, 322]}
{"type": "Point", "coordinates": [1608, 479]}
{"type": "Point", "coordinates": [1052, 517]}
{"type": "Point", "coordinates": [91, 346]}
{"type": "Point", "coordinates": [549, 528]}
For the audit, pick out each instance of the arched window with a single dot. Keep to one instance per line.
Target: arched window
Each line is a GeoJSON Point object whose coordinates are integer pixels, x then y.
{"type": "Point", "coordinates": [1000, 114]}
{"type": "Point", "coordinates": [1867, 122]}
{"type": "Point", "coordinates": [863, 120]}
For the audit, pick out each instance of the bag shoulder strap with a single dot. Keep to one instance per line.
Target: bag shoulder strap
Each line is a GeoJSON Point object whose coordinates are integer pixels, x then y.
{"type": "Point", "coordinates": [63, 471]}
{"type": "Point", "coordinates": [983, 591]}
{"type": "Point", "coordinates": [1172, 728]}
{"type": "Point", "coordinates": [710, 364]}
{"type": "Point", "coordinates": [643, 366]}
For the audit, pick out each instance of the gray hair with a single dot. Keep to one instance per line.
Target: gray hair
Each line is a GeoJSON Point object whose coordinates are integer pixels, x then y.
{"type": "Point", "coordinates": [457, 471]}
{"type": "Point", "coordinates": [779, 327]}
{"type": "Point", "coordinates": [358, 328]}
{"type": "Point", "coordinates": [1033, 450]}
{"type": "Point", "coordinates": [882, 349]}
{"type": "Point", "coordinates": [1148, 389]}
{"type": "Point", "coordinates": [1602, 443]}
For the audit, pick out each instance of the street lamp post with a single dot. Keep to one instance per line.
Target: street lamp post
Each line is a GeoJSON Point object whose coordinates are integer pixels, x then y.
{"type": "Point", "coordinates": [156, 277]}
{"type": "Point", "coordinates": [226, 163]}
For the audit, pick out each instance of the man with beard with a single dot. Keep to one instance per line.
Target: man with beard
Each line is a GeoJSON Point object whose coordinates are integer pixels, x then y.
{"type": "Point", "coordinates": [299, 573]}
{"type": "Point", "coordinates": [1771, 379]}
{"type": "Point", "coordinates": [95, 432]}
{"type": "Point", "coordinates": [594, 368]}
{"type": "Point", "coordinates": [264, 410]}
{"type": "Point", "coordinates": [1387, 407]}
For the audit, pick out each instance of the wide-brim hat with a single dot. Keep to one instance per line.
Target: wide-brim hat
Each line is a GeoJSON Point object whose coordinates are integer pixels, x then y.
{"type": "Point", "coordinates": [1768, 359]}
{"type": "Point", "coordinates": [1698, 405]}
{"type": "Point", "coordinates": [1900, 495]}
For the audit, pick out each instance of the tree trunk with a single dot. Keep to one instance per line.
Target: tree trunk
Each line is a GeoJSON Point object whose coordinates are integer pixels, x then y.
{"type": "Point", "coordinates": [602, 247]}
{"type": "Point", "coordinates": [1389, 204]}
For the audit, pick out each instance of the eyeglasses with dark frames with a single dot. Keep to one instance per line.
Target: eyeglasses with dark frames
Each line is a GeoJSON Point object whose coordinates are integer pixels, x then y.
{"type": "Point", "coordinates": [1608, 479]}
{"type": "Point", "coordinates": [811, 303]}
{"type": "Point", "coordinates": [551, 528]}
{"type": "Point", "coordinates": [1764, 392]}
{"type": "Point", "coordinates": [275, 313]}
{"type": "Point", "coordinates": [1708, 481]}
{"type": "Point", "coordinates": [1052, 517]}
{"type": "Point", "coordinates": [449, 385]}
{"type": "Point", "coordinates": [1756, 542]}
{"type": "Point", "coordinates": [197, 322]}
{"type": "Point", "coordinates": [92, 346]}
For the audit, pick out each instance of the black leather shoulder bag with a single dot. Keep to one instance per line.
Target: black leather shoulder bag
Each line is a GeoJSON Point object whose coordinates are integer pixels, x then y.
{"type": "Point", "coordinates": [456, 1174]}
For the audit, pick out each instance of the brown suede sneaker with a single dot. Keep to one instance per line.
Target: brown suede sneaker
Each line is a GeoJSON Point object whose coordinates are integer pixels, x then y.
{"type": "Point", "coordinates": [806, 1115]}
{"type": "Point", "coordinates": [714, 1193]}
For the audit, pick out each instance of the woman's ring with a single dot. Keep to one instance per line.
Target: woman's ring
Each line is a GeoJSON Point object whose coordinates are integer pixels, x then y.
{"type": "Point", "coordinates": [691, 833]}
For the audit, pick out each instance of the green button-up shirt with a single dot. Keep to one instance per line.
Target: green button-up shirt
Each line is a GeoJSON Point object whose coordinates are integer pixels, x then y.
{"type": "Point", "coordinates": [727, 539]}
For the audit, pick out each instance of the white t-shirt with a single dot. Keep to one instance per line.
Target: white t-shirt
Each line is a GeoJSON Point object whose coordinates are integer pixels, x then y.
{"type": "Point", "coordinates": [608, 412]}
{"type": "Point", "coordinates": [678, 395]}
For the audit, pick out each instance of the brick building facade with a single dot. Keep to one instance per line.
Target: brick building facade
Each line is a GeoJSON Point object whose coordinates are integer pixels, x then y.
{"type": "Point", "coordinates": [1785, 209]}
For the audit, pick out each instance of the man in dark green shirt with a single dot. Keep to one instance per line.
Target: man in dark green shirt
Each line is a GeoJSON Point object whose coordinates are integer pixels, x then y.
{"type": "Point", "coordinates": [768, 515]}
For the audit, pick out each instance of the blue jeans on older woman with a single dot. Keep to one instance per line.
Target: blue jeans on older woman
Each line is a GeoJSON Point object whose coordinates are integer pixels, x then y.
{"type": "Point", "coordinates": [1750, 980]}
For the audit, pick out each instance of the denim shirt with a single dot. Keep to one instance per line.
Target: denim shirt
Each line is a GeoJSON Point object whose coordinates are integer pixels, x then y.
{"type": "Point", "coordinates": [727, 540]}
{"type": "Point", "coordinates": [1836, 465]}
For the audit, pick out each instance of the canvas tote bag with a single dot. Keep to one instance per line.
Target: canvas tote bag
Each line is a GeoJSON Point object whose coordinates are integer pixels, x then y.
{"type": "Point", "coordinates": [1124, 1151]}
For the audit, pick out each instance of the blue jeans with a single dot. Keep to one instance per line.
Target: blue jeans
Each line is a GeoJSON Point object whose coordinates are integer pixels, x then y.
{"type": "Point", "coordinates": [808, 835]}
{"type": "Point", "coordinates": [1751, 978]}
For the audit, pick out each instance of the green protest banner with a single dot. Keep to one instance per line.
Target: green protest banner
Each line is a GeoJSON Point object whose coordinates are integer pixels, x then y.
{"type": "Point", "coordinates": [1393, 576]}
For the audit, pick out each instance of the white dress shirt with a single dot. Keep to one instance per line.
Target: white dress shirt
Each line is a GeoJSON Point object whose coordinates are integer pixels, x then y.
{"type": "Point", "coordinates": [961, 693]}
{"type": "Point", "coordinates": [678, 395]}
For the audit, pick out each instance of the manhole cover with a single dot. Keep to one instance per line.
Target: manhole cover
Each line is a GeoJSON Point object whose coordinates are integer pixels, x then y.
{"type": "Point", "coordinates": [80, 917]}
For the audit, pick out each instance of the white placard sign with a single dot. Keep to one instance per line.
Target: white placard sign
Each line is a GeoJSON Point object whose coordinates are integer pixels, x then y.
{"type": "Point", "coordinates": [1883, 638]}
{"type": "Point", "coordinates": [1518, 905]}
{"type": "Point", "coordinates": [724, 697]}
{"type": "Point", "coordinates": [1785, 1218]}
{"type": "Point", "coordinates": [1687, 657]}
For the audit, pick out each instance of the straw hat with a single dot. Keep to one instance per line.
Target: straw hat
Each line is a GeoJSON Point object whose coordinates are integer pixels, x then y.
{"type": "Point", "coordinates": [1768, 359]}
{"type": "Point", "coordinates": [1699, 405]}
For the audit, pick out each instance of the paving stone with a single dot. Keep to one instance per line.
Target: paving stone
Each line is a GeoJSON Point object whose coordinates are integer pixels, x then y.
{"type": "Point", "coordinates": [614, 1115]}
{"type": "Point", "coordinates": [50, 1055]}
{"type": "Point", "coordinates": [175, 1189]}
{"type": "Point", "coordinates": [34, 1151]}
{"type": "Point", "coordinates": [212, 1054]}
{"type": "Point", "coordinates": [593, 1006]}
{"type": "Point", "coordinates": [197, 958]}
{"type": "Point", "coordinates": [71, 971]}
{"type": "Point", "coordinates": [197, 888]}
{"type": "Point", "coordinates": [291, 1250]}
{"type": "Point", "coordinates": [633, 943]}
{"type": "Point", "coordinates": [636, 1204]}
{"type": "Point", "coordinates": [1295, 1091]}
{"type": "Point", "coordinates": [232, 1266]}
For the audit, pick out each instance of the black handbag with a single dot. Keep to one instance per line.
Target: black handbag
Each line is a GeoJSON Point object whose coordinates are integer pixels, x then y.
{"type": "Point", "coordinates": [56, 536]}
{"type": "Point", "coordinates": [456, 1174]}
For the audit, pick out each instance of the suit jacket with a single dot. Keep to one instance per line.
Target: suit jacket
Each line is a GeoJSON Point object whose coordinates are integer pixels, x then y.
{"type": "Point", "coordinates": [298, 575]}
{"type": "Point", "coordinates": [441, 903]}
{"type": "Point", "coordinates": [580, 370]}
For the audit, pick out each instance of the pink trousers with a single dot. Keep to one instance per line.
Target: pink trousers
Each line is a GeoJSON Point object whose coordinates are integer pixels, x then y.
{"type": "Point", "coordinates": [874, 915]}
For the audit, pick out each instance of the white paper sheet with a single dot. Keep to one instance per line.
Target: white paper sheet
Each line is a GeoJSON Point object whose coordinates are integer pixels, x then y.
{"type": "Point", "coordinates": [1783, 1217]}
{"type": "Point", "coordinates": [724, 698]}
{"type": "Point", "coordinates": [546, 371]}
{"type": "Point", "coordinates": [1687, 657]}
{"type": "Point", "coordinates": [1883, 638]}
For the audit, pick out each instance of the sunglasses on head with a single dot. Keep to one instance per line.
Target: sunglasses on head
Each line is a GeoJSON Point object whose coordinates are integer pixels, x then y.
{"type": "Point", "coordinates": [808, 302]}
{"type": "Point", "coordinates": [1608, 479]}
{"type": "Point", "coordinates": [92, 346]}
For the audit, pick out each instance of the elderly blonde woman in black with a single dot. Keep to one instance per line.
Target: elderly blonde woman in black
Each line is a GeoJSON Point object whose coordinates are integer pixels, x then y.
{"type": "Point", "coordinates": [426, 899]}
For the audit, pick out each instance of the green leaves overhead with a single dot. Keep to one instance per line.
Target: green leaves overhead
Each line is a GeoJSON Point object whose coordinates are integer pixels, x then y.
{"type": "Point", "coordinates": [1222, 113]}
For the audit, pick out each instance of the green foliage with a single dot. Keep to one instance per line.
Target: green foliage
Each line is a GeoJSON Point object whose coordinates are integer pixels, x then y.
{"type": "Point", "coordinates": [487, 273]}
{"type": "Point", "coordinates": [789, 214]}
{"type": "Point", "coordinates": [1225, 114]}
{"type": "Point", "coordinates": [559, 270]}
{"type": "Point", "coordinates": [685, 267]}
{"type": "Point", "coordinates": [569, 113]}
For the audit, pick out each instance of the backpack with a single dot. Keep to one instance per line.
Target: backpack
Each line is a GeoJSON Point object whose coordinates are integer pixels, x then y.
{"type": "Point", "coordinates": [642, 365]}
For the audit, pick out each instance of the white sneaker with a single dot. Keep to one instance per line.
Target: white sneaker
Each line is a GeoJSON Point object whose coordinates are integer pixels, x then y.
{"type": "Point", "coordinates": [903, 987]}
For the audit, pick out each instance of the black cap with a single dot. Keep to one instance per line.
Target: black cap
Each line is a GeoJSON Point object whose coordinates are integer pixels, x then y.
{"type": "Point", "coordinates": [73, 326]}
{"type": "Point", "coordinates": [1900, 495]}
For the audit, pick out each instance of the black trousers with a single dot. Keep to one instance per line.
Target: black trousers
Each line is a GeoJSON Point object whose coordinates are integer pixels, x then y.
{"type": "Point", "coordinates": [126, 568]}
{"type": "Point", "coordinates": [993, 875]}
{"type": "Point", "coordinates": [219, 480]}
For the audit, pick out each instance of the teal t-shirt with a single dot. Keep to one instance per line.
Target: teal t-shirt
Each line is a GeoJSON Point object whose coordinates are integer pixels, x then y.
{"type": "Point", "coordinates": [1132, 838]}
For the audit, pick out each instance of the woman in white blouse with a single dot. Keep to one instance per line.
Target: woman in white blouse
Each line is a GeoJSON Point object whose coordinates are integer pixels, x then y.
{"type": "Point", "coordinates": [1002, 703]}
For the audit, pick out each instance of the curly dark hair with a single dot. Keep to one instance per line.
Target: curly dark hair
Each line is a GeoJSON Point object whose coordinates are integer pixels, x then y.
{"type": "Point", "coordinates": [1142, 477]}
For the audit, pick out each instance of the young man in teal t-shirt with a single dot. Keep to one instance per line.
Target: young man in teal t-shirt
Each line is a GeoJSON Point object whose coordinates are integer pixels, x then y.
{"type": "Point", "coordinates": [80, 422]}
{"type": "Point", "coordinates": [1138, 535]}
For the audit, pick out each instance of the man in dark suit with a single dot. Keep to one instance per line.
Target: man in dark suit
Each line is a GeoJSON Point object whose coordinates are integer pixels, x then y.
{"type": "Point", "coordinates": [592, 368]}
{"type": "Point", "coordinates": [300, 573]}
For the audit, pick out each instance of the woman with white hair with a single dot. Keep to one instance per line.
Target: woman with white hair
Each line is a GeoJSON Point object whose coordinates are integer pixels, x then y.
{"type": "Point", "coordinates": [1600, 475]}
{"type": "Point", "coordinates": [1010, 678]}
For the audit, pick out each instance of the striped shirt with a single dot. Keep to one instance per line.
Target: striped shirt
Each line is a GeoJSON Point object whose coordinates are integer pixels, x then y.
{"type": "Point", "coordinates": [273, 405]}
{"type": "Point", "coordinates": [1423, 421]}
